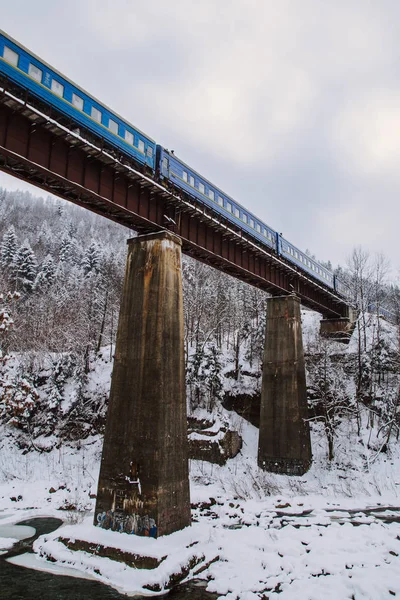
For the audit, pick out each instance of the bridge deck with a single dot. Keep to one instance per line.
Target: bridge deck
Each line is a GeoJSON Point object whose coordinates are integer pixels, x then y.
{"type": "Point", "coordinates": [40, 147]}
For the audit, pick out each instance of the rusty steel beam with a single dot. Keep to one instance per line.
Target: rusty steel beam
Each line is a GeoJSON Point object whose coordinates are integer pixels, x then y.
{"type": "Point", "coordinates": [41, 150]}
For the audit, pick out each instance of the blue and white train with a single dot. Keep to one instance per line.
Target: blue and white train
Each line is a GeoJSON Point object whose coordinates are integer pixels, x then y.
{"type": "Point", "coordinates": [43, 81]}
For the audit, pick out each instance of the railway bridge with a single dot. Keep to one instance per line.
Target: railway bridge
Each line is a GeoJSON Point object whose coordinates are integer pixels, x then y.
{"type": "Point", "coordinates": [143, 486]}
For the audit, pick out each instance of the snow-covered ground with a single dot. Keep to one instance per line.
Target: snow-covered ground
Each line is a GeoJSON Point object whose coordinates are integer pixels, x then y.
{"type": "Point", "coordinates": [317, 536]}
{"type": "Point", "coordinates": [333, 533]}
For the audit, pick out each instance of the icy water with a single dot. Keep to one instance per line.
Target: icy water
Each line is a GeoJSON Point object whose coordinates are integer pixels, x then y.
{"type": "Point", "coordinates": [19, 583]}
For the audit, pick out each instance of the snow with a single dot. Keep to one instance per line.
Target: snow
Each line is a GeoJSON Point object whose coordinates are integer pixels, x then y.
{"type": "Point", "coordinates": [333, 533]}
{"type": "Point", "coordinates": [284, 537]}
{"type": "Point", "coordinates": [18, 532]}
{"type": "Point", "coordinates": [31, 561]}
{"type": "Point", "coordinates": [6, 543]}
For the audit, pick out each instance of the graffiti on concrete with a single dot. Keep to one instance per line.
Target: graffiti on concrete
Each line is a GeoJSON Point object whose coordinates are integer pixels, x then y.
{"type": "Point", "coordinates": [132, 524]}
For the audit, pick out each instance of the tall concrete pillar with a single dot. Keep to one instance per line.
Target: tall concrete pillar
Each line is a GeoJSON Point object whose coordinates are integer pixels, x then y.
{"type": "Point", "coordinates": [284, 442]}
{"type": "Point", "coordinates": [144, 482]}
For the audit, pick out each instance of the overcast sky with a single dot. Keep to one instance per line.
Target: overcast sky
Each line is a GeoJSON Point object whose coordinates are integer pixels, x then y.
{"type": "Point", "coordinates": [291, 107]}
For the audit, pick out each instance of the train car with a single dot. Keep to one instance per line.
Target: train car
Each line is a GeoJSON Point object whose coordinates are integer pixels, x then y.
{"type": "Point", "coordinates": [341, 288]}
{"type": "Point", "coordinates": [380, 311]}
{"type": "Point", "coordinates": [32, 73]}
{"type": "Point", "coordinates": [173, 169]}
{"type": "Point", "coordinates": [43, 81]}
{"type": "Point", "coordinates": [304, 262]}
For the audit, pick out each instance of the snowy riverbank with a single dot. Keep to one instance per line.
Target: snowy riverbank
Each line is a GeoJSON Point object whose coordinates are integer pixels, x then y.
{"type": "Point", "coordinates": [331, 533]}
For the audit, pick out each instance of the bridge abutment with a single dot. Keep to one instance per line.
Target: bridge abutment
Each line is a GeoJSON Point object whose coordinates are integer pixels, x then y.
{"type": "Point", "coordinates": [284, 439]}
{"type": "Point", "coordinates": [144, 482]}
{"type": "Point", "coordinates": [340, 329]}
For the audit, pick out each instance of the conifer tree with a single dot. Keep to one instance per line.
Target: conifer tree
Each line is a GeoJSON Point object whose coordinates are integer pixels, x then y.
{"type": "Point", "coordinates": [25, 267]}
{"type": "Point", "coordinates": [8, 247]}
{"type": "Point", "coordinates": [66, 249]}
{"type": "Point", "coordinates": [91, 259]}
{"type": "Point", "coordinates": [46, 274]}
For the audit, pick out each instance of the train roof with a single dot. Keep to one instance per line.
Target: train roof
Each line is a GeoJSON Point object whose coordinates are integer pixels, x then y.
{"type": "Point", "coordinates": [313, 260]}
{"type": "Point", "coordinates": [246, 210]}
{"type": "Point", "coordinates": [243, 208]}
{"type": "Point", "coordinates": [78, 87]}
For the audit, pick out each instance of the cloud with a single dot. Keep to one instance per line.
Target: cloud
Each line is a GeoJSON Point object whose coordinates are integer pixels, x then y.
{"type": "Point", "coordinates": [367, 133]}
{"type": "Point", "coordinates": [291, 107]}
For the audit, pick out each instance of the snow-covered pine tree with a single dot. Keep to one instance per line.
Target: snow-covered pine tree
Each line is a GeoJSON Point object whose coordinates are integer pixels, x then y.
{"type": "Point", "coordinates": [8, 247]}
{"type": "Point", "coordinates": [46, 274]}
{"type": "Point", "coordinates": [25, 267]}
{"type": "Point", "coordinates": [91, 259]}
{"type": "Point", "coordinates": [45, 237]}
{"type": "Point", "coordinates": [66, 251]}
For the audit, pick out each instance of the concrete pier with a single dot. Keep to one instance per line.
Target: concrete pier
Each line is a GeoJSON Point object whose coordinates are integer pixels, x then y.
{"type": "Point", "coordinates": [284, 441]}
{"type": "Point", "coordinates": [337, 329]}
{"type": "Point", "coordinates": [144, 482]}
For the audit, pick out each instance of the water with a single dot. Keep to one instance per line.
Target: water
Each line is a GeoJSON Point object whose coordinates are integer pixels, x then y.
{"type": "Point", "coordinates": [19, 583]}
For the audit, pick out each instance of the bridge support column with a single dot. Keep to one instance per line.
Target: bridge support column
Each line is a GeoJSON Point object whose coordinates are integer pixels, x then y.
{"type": "Point", "coordinates": [337, 329]}
{"type": "Point", "coordinates": [284, 441]}
{"type": "Point", "coordinates": [144, 482]}
{"type": "Point", "coordinates": [342, 328]}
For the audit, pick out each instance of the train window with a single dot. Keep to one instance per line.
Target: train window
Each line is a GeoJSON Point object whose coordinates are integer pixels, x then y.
{"type": "Point", "coordinates": [113, 126]}
{"type": "Point", "coordinates": [129, 137]}
{"type": "Point", "coordinates": [191, 180]}
{"type": "Point", "coordinates": [10, 56]}
{"type": "Point", "coordinates": [202, 189]}
{"type": "Point", "coordinates": [149, 151]}
{"type": "Point", "coordinates": [35, 72]}
{"type": "Point", "coordinates": [220, 201]}
{"type": "Point", "coordinates": [251, 223]}
{"type": "Point", "coordinates": [229, 206]}
{"type": "Point", "coordinates": [211, 195]}
{"type": "Point", "coordinates": [244, 217]}
{"type": "Point", "coordinates": [184, 176]}
{"type": "Point", "coordinates": [141, 145]}
{"type": "Point", "coordinates": [236, 212]}
{"type": "Point", "coordinates": [77, 101]}
{"type": "Point", "coordinates": [297, 254]}
{"type": "Point", "coordinates": [258, 227]}
{"type": "Point", "coordinates": [57, 88]}
{"type": "Point", "coordinates": [96, 114]}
